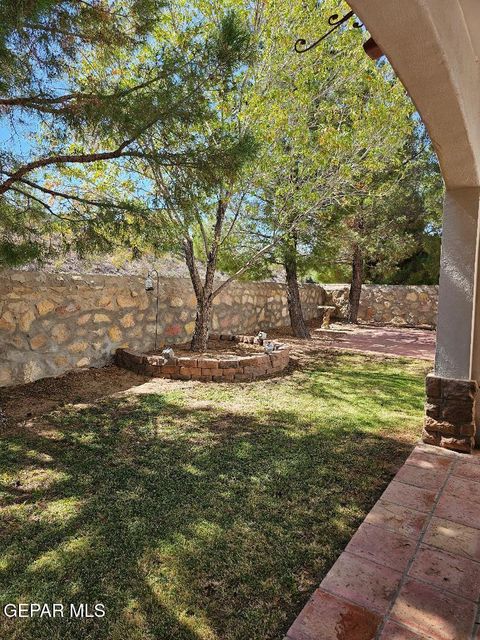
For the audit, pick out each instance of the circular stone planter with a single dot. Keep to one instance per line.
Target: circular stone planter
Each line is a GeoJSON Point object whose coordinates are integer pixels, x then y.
{"type": "Point", "coordinates": [234, 368]}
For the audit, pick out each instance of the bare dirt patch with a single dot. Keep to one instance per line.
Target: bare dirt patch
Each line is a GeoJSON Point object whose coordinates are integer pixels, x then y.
{"type": "Point", "coordinates": [219, 349]}
{"type": "Point", "coordinates": [37, 398]}
{"type": "Point", "coordinates": [379, 342]}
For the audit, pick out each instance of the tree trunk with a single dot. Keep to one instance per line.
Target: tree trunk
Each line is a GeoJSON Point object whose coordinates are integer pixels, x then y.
{"type": "Point", "coordinates": [204, 291]}
{"type": "Point", "coordinates": [202, 324]}
{"type": "Point", "coordinates": [355, 285]}
{"type": "Point", "coordinates": [203, 295]}
{"type": "Point", "coordinates": [297, 321]}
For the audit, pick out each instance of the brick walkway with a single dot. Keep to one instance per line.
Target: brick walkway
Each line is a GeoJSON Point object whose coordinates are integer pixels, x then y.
{"type": "Point", "coordinates": [394, 341]}
{"type": "Point", "coordinates": [412, 570]}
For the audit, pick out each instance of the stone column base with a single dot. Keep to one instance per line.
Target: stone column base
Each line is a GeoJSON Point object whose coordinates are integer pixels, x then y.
{"type": "Point", "coordinates": [450, 413]}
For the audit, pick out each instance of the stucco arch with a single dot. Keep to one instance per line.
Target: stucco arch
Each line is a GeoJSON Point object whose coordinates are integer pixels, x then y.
{"type": "Point", "coordinates": [434, 47]}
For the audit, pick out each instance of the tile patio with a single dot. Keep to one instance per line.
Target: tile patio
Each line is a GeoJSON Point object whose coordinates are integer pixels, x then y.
{"type": "Point", "coordinates": [412, 569]}
{"type": "Point", "coordinates": [388, 341]}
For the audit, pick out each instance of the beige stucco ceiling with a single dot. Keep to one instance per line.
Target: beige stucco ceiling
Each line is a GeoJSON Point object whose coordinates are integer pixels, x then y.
{"type": "Point", "coordinates": [471, 12]}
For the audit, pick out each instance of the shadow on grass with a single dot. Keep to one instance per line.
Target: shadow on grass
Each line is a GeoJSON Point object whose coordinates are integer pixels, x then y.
{"type": "Point", "coordinates": [187, 524]}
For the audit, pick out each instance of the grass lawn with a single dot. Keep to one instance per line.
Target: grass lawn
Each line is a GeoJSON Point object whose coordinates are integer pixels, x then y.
{"type": "Point", "coordinates": [199, 511]}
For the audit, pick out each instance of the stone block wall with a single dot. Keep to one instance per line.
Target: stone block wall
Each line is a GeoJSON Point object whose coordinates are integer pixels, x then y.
{"type": "Point", "coordinates": [401, 305]}
{"type": "Point", "coordinates": [450, 413]}
{"type": "Point", "coordinates": [52, 323]}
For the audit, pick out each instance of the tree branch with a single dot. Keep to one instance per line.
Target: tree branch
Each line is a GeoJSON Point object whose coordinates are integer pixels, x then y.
{"type": "Point", "coordinates": [43, 203]}
{"type": "Point", "coordinates": [71, 196]}
{"type": "Point", "coordinates": [42, 103]}
{"type": "Point", "coordinates": [63, 159]}
{"type": "Point", "coordinates": [246, 266]}
{"type": "Point", "coordinates": [260, 253]}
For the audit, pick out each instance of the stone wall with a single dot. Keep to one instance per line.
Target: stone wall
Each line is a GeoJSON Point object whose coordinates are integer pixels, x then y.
{"type": "Point", "coordinates": [389, 304]}
{"type": "Point", "coordinates": [52, 323]}
{"type": "Point", "coordinates": [450, 413]}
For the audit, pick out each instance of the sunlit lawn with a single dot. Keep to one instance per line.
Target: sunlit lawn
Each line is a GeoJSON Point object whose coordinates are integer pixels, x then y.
{"type": "Point", "coordinates": [206, 512]}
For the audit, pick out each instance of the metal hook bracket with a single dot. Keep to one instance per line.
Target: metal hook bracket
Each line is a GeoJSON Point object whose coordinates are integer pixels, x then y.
{"type": "Point", "coordinates": [335, 21]}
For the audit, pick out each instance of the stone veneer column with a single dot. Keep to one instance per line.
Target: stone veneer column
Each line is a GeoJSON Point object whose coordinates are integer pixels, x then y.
{"type": "Point", "coordinates": [452, 390]}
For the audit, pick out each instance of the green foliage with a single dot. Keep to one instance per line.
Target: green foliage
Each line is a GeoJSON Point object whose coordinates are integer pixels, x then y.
{"type": "Point", "coordinates": [231, 44]}
{"type": "Point", "coordinates": [396, 226]}
{"type": "Point", "coordinates": [176, 92]}
{"type": "Point", "coordinates": [19, 252]}
{"type": "Point", "coordinates": [345, 160]}
{"type": "Point", "coordinates": [40, 40]}
{"type": "Point", "coordinates": [22, 234]}
{"type": "Point", "coordinates": [339, 161]}
{"type": "Point", "coordinates": [423, 266]}
{"type": "Point", "coordinates": [76, 81]}
{"type": "Point", "coordinates": [188, 168]}
{"type": "Point", "coordinates": [321, 151]}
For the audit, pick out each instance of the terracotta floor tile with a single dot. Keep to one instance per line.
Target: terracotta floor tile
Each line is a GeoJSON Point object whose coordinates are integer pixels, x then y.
{"type": "Point", "coordinates": [428, 460]}
{"type": "Point", "coordinates": [447, 571]}
{"type": "Point", "coordinates": [438, 451]}
{"type": "Point", "coordinates": [363, 582]}
{"type": "Point", "coordinates": [425, 478]}
{"type": "Point", "coordinates": [452, 507]}
{"type": "Point", "coordinates": [385, 547]}
{"type": "Point", "coordinates": [467, 470]}
{"type": "Point", "coordinates": [326, 617]}
{"type": "Point", "coordinates": [397, 518]}
{"type": "Point", "coordinates": [463, 489]}
{"type": "Point", "coordinates": [433, 612]}
{"type": "Point", "coordinates": [393, 631]}
{"type": "Point", "coordinates": [439, 598]}
{"type": "Point", "coordinates": [472, 458]}
{"type": "Point", "coordinates": [454, 537]}
{"type": "Point", "coordinates": [409, 496]}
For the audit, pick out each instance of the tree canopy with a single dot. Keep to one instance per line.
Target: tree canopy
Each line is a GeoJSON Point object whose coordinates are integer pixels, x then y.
{"type": "Point", "coordinates": [195, 128]}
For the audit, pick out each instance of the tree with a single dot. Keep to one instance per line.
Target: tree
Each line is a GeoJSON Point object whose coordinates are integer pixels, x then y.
{"type": "Point", "coordinates": [387, 224]}
{"type": "Point", "coordinates": [40, 45]}
{"type": "Point", "coordinates": [418, 198]}
{"type": "Point", "coordinates": [68, 96]}
{"type": "Point", "coordinates": [185, 179]}
{"type": "Point", "coordinates": [202, 200]}
{"type": "Point", "coordinates": [334, 124]}
{"type": "Point", "coordinates": [400, 239]}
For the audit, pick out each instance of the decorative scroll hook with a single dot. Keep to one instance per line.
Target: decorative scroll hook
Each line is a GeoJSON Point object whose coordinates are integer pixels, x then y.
{"type": "Point", "coordinates": [335, 21]}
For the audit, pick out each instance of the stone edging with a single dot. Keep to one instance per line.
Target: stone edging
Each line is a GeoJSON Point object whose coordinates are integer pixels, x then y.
{"type": "Point", "coordinates": [208, 369]}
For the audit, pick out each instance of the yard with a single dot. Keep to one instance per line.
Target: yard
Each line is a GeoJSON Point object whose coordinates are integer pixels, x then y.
{"type": "Point", "coordinates": [194, 511]}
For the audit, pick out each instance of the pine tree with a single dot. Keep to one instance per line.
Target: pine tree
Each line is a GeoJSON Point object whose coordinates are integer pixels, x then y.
{"type": "Point", "coordinates": [73, 91]}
